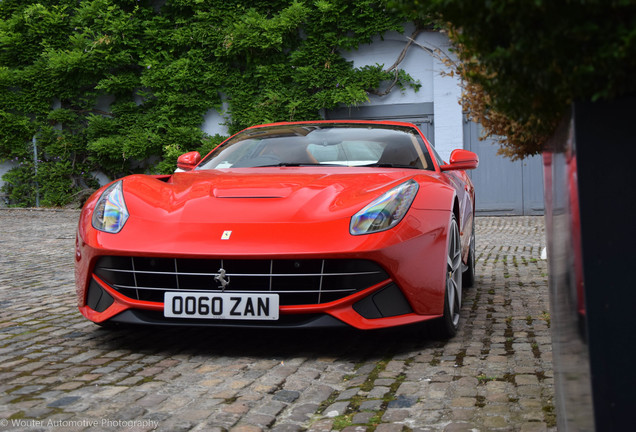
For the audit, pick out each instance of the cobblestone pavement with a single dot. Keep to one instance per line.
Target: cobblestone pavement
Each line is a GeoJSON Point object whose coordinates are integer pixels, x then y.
{"type": "Point", "coordinates": [60, 372]}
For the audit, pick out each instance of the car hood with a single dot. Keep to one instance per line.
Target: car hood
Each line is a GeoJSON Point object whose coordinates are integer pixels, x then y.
{"type": "Point", "coordinates": [282, 194]}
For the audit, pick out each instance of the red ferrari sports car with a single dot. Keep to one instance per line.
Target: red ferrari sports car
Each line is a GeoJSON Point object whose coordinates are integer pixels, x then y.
{"type": "Point", "coordinates": [304, 224]}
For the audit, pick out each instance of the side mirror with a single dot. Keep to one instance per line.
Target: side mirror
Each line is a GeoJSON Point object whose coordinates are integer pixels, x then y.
{"type": "Point", "coordinates": [461, 160]}
{"type": "Point", "coordinates": [187, 161]}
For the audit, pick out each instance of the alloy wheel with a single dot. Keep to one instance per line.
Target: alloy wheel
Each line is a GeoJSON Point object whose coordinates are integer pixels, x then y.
{"type": "Point", "coordinates": [454, 274]}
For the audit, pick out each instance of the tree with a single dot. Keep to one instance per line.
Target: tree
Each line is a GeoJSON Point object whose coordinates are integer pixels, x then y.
{"type": "Point", "coordinates": [524, 62]}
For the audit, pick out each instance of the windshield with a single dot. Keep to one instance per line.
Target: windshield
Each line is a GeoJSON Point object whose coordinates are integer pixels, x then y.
{"type": "Point", "coordinates": [322, 144]}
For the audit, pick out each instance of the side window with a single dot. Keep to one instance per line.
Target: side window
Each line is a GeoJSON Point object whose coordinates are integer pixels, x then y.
{"type": "Point", "coordinates": [438, 158]}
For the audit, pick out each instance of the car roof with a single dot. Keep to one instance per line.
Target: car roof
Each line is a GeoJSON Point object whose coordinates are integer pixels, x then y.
{"type": "Point", "coordinates": [352, 122]}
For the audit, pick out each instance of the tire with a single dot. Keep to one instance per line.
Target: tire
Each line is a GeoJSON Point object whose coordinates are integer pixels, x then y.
{"type": "Point", "coordinates": [468, 277]}
{"type": "Point", "coordinates": [446, 326]}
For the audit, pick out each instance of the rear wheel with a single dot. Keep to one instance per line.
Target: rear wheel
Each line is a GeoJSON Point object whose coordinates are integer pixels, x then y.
{"type": "Point", "coordinates": [446, 326]}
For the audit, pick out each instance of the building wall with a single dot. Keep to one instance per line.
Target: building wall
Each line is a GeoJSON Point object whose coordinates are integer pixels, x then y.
{"type": "Point", "coordinates": [4, 168]}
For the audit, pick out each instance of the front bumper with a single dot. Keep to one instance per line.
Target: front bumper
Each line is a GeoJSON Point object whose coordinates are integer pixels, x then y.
{"type": "Point", "coordinates": [410, 290]}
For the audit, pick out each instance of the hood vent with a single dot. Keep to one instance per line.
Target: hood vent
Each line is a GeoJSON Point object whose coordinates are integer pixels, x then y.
{"type": "Point", "coordinates": [252, 192]}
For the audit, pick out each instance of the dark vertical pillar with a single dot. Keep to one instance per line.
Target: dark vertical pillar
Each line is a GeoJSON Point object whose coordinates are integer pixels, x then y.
{"type": "Point", "coordinates": [606, 170]}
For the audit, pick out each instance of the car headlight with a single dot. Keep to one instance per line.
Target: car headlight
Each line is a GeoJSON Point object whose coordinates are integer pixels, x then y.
{"type": "Point", "coordinates": [386, 211]}
{"type": "Point", "coordinates": [110, 213]}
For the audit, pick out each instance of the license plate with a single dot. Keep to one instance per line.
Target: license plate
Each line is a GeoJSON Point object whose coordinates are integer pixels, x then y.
{"type": "Point", "coordinates": [235, 306]}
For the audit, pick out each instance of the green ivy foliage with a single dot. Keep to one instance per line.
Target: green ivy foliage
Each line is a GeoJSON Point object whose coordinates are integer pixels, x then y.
{"type": "Point", "coordinates": [122, 86]}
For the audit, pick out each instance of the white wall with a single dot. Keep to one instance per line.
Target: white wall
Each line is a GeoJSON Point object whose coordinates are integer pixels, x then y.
{"type": "Point", "coordinates": [213, 122]}
{"type": "Point", "coordinates": [4, 168]}
{"type": "Point", "coordinates": [385, 51]}
{"type": "Point", "coordinates": [447, 92]}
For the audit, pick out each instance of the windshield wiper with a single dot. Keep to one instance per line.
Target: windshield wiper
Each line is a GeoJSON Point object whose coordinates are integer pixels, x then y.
{"type": "Point", "coordinates": [294, 164]}
{"type": "Point", "coordinates": [390, 165]}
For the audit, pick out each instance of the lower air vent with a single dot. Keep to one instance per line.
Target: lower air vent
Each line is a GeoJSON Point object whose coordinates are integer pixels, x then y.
{"type": "Point", "coordinates": [298, 282]}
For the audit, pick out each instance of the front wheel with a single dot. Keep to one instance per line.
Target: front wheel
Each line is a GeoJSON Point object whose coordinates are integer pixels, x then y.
{"type": "Point", "coordinates": [468, 277]}
{"type": "Point", "coordinates": [446, 326]}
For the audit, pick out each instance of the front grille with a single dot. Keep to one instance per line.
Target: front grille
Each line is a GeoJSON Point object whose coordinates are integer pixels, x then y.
{"type": "Point", "coordinates": [298, 282]}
